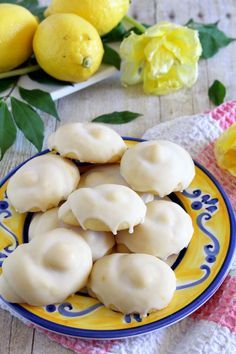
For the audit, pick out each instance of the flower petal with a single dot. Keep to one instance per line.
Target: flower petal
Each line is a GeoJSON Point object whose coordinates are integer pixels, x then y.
{"type": "Point", "coordinates": [187, 73]}
{"type": "Point", "coordinates": [225, 150]}
{"type": "Point", "coordinates": [132, 47]}
{"type": "Point", "coordinates": [131, 73]}
{"type": "Point", "coordinates": [163, 84]}
{"type": "Point", "coordinates": [161, 60]}
{"type": "Point", "coordinates": [184, 43]}
{"type": "Point", "coordinates": [160, 29]}
{"type": "Point", "coordinates": [132, 55]}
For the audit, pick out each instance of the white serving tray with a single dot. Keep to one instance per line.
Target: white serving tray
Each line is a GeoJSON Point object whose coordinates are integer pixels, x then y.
{"type": "Point", "coordinates": [56, 91]}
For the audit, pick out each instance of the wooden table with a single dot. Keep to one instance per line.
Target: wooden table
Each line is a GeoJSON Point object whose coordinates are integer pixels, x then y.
{"type": "Point", "coordinates": [108, 96]}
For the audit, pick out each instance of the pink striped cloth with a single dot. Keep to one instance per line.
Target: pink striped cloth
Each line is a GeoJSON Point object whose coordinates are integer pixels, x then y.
{"type": "Point", "coordinates": [211, 329]}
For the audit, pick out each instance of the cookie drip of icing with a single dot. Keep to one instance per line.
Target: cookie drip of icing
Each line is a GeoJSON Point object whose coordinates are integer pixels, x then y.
{"type": "Point", "coordinates": [131, 229]}
{"type": "Point", "coordinates": [108, 174]}
{"type": "Point", "coordinates": [88, 142]}
{"type": "Point", "coordinates": [107, 207]}
{"type": "Point", "coordinates": [167, 229]}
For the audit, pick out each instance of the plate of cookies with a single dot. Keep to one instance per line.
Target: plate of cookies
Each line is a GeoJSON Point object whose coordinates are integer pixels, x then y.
{"type": "Point", "coordinates": [105, 237]}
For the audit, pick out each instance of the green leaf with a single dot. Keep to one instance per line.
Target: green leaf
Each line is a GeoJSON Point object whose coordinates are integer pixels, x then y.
{"type": "Point", "coordinates": [111, 57]}
{"type": "Point", "coordinates": [9, 2]}
{"type": "Point", "coordinates": [24, 3]}
{"type": "Point", "coordinates": [134, 30]}
{"type": "Point", "coordinates": [7, 129]}
{"type": "Point", "coordinates": [211, 37]}
{"type": "Point", "coordinates": [43, 78]}
{"type": "Point", "coordinates": [117, 117]}
{"type": "Point", "coordinates": [7, 83]}
{"type": "Point", "coordinates": [116, 35]}
{"type": "Point", "coordinates": [120, 32]}
{"type": "Point", "coordinates": [29, 122]}
{"type": "Point", "coordinates": [40, 99]}
{"type": "Point", "coordinates": [217, 92]}
{"type": "Point", "coordinates": [39, 12]}
{"type": "Point", "coordinates": [32, 5]}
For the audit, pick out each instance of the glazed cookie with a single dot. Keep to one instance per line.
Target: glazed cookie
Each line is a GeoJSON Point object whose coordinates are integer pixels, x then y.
{"type": "Point", "coordinates": [108, 207]}
{"type": "Point", "coordinates": [100, 243]}
{"type": "Point", "coordinates": [132, 283]}
{"type": "Point", "coordinates": [88, 142]}
{"type": "Point", "coordinates": [160, 167]}
{"type": "Point", "coordinates": [167, 229]}
{"type": "Point", "coordinates": [108, 174]}
{"type": "Point", "coordinates": [47, 270]}
{"type": "Point", "coordinates": [42, 183]}
{"type": "Point", "coordinates": [44, 222]}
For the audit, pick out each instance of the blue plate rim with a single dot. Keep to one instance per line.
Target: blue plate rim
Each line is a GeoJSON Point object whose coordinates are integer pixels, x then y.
{"type": "Point", "coordinates": [167, 321]}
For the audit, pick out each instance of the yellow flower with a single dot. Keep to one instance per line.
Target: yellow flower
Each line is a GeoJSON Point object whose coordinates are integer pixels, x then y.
{"type": "Point", "coordinates": [165, 58]}
{"type": "Point", "coordinates": [225, 150]}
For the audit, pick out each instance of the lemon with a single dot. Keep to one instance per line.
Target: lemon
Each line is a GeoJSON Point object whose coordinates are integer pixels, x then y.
{"type": "Point", "coordinates": [68, 47]}
{"type": "Point", "coordinates": [104, 15]}
{"type": "Point", "coordinates": [17, 28]}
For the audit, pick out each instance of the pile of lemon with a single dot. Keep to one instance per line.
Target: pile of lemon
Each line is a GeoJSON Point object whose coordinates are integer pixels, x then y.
{"type": "Point", "coordinates": [67, 44]}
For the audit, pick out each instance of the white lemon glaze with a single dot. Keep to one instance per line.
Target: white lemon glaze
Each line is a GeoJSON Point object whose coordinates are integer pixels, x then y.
{"type": "Point", "coordinates": [44, 222]}
{"type": "Point", "coordinates": [108, 174]}
{"type": "Point", "coordinates": [47, 270]}
{"type": "Point", "coordinates": [100, 243]}
{"type": "Point", "coordinates": [167, 229]}
{"type": "Point", "coordinates": [132, 283]}
{"type": "Point", "coordinates": [160, 167]}
{"type": "Point", "coordinates": [42, 183]}
{"type": "Point", "coordinates": [106, 207]}
{"type": "Point", "coordinates": [88, 142]}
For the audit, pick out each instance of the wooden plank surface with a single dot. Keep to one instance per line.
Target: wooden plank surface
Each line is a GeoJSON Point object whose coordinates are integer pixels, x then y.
{"type": "Point", "coordinates": [108, 96]}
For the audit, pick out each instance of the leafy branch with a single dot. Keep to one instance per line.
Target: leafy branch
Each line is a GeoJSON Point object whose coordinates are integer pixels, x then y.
{"type": "Point", "coordinates": [16, 114]}
{"type": "Point", "coordinates": [7, 129]}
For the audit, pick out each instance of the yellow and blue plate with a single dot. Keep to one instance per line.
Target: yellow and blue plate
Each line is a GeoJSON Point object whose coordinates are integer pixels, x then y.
{"type": "Point", "coordinates": [199, 269]}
